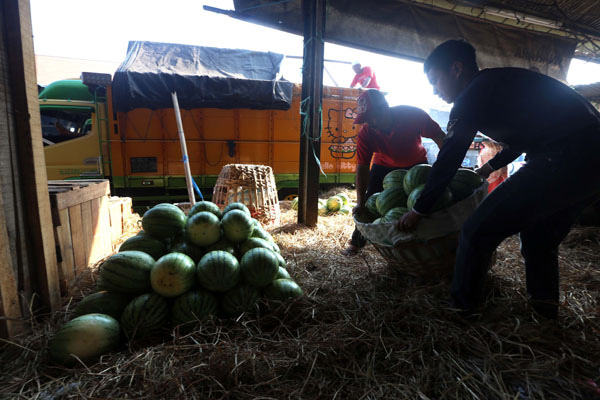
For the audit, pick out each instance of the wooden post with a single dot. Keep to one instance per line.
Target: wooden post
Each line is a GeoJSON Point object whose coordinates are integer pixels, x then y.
{"type": "Point", "coordinates": [31, 164]}
{"type": "Point", "coordinates": [313, 12]}
{"type": "Point", "coordinates": [186, 162]}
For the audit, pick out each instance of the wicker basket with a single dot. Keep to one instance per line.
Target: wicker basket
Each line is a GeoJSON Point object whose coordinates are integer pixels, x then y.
{"type": "Point", "coordinates": [252, 185]}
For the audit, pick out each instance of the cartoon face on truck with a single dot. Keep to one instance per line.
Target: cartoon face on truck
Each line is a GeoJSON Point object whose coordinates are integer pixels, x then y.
{"type": "Point", "coordinates": [344, 140]}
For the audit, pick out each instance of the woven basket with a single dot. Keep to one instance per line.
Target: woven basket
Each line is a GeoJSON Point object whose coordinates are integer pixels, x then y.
{"type": "Point", "coordinates": [252, 185]}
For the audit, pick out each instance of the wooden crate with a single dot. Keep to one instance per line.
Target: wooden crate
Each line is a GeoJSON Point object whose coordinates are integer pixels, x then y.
{"type": "Point", "coordinates": [85, 221]}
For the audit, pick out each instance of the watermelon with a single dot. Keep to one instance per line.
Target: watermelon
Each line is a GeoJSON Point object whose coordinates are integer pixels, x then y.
{"type": "Point", "coordinates": [224, 245]}
{"type": "Point", "coordinates": [164, 220]}
{"type": "Point", "coordinates": [237, 225]}
{"type": "Point", "coordinates": [294, 203]}
{"type": "Point", "coordinates": [282, 289]}
{"type": "Point", "coordinates": [193, 306]}
{"type": "Point", "coordinates": [260, 233]}
{"type": "Point", "coordinates": [391, 198]}
{"type": "Point", "coordinates": [282, 273]}
{"type": "Point", "coordinates": [102, 302]}
{"type": "Point", "coordinates": [444, 201]}
{"type": "Point", "coordinates": [371, 203]}
{"type": "Point", "coordinates": [394, 178]}
{"type": "Point", "coordinates": [146, 243]}
{"type": "Point", "coordinates": [275, 247]}
{"type": "Point", "coordinates": [344, 197]}
{"type": "Point", "coordinates": [334, 203]}
{"type": "Point", "coordinates": [377, 220]}
{"type": "Point", "coordinates": [192, 251]}
{"type": "Point", "coordinates": [173, 274]}
{"type": "Point", "coordinates": [281, 260]}
{"type": "Point", "coordinates": [126, 272]}
{"type": "Point", "coordinates": [236, 206]}
{"type": "Point", "coordinates": [240, 299]}
{"type": "Point", "coordinates": [394, 214]}
{"type": "Point", "coordinates": [206, 206]}
{"type": "Point", "coordinates": [86, 337]}
{"type": "Point", "coordinates": [464, 183]}
{"type": "Point", "coordinates": [145, 315]}
{"type": "Point", "coordinates": [416, 176]}
{"type": "Point", "coordinates": [218, 271]}
{"type": "Point", "coordinates": [346, 210]}
{"type": "Point", "coordinates": [256, 223]}
{"type": "Point", "coordinates": [251, 243]}
{"type": "Point", "coordinates": [323, 210]}
{"type": "Point", "coordinates": [259, 266]}
{"type": "Point", "coordinates": [203, 229]}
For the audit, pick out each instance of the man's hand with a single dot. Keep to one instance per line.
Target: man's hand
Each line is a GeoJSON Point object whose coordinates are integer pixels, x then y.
{"type": "Point", "coordinates": [359, 209]}
{"type": "Point", "coordinates": [409, 221]}
{"type": "Point", "coordinates": [485, 170]}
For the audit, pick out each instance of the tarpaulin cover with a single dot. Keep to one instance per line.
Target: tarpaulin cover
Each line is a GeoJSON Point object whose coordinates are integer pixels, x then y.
{"type": "Point", "coordinates": [201, 76]}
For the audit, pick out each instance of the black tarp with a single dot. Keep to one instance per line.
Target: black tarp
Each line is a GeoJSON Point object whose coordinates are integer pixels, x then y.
{"type": "Point", "coordinates": [201, 76]}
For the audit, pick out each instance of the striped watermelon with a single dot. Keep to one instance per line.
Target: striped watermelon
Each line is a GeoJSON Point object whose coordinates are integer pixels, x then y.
{"type": "Point", "coordinates": [416, 176]}
{"type": "Point", "coordinates": [377, 220]}
{"type": "Point", "coordinates": [144, 315]}
{"type": "Point", "coordinates": [371, 203]}
{"type": "Point", "coordinates": [260, 233]}
{"type": "Point", "coordinates": [394, 178]}
{"type": "Point", "coordinates": [334, 203]}
{"type": "Point", "coordinates": [126, 272]}
{"type": "Point", "coordinates": [146, 243]}
{"type": "Point", "coordinates": [86, 337]}
{"type": "Point", "coordinates": [444, 201]}
{"type": "Point", "coordinates": [323, 210]}
{"type": "Point", "coordinates": [224, 245]}
{"type": "Point", "coordinates": [259, 266]}
{"type": "Point", "coordinates": [164, 220]}
{"type": "Point", "coordinates": [282, 289]}
{"type": "Point", "coordinates": [102, 302]}
{"type": "Point", "coordinates": [206, 206]}
{"type": "Point", "coordinates": [192, 251]}
{"type": "Point", "coordinates": [394, 214]}
{"type": "Point", "coordinates": [203, 229]}
{"type": "Point", "coordinates": [236, 206]}
{"type": "Point", "coordinates": [218, 271]}
{"type": "Point", "coordinates": [193, 306]}
{"type": "Point", "coordinates": [464, 183]}
{"type": "Point", "coordinates": [391, 198]}
{"type": "Point", "coordinates": [346, 210]}
{"type": "Point", "coordinates": [240, 299]}
{"type": "Point", "coordinates": [282, 273]}
{"type": "Point", "coordinates": [237, 225]}
{"type": "Point", "coordinates": [294, 204]}
{"type": "Point", "coordinates": [281, 260]}
{"type": "Point", "coordinates": [173, 274]}
{"type": "Point", "coordinates": [344, 197]}
{"type": "Point", "coordinates": [251, 243]}
{"type": "Point", "coordinates": [275, 247]}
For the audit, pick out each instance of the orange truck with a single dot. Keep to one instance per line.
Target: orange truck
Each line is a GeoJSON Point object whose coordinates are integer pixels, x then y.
{"type": "Point", "coordinates": [91, 129]}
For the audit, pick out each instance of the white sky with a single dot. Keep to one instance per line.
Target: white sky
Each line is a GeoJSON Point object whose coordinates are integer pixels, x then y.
{"type": "Point", "coordinates": [100, 30]}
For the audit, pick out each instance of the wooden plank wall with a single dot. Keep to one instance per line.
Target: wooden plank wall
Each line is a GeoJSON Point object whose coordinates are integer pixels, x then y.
{"type": "Point", "coordinates": [28, 247]}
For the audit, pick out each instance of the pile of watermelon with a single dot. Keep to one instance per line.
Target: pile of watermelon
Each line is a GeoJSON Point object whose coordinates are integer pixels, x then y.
{"type": "Point", "coordinates": [339, 203]}
{"type": "Point", "coordinates": [177, 271]}
{"type": "Point", "coordinates": [402, 188]}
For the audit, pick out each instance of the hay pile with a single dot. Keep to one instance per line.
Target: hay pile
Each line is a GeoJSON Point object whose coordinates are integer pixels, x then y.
{"type": "Point", "coordinates": [361, 332]}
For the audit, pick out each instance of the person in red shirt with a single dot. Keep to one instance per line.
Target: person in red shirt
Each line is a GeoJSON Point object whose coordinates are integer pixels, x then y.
{"type": "Point", "coordinates": [365, 77]}
{"type": "Point", "coordinates": [389, 139]}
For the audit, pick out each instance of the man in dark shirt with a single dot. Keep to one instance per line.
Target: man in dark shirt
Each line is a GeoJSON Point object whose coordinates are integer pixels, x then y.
{"type": "Point", "coordinates": [526, 112]}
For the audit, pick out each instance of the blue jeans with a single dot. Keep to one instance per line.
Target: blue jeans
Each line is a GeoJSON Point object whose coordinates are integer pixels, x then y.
{"type": "Point", "coordinates": [540, 202]}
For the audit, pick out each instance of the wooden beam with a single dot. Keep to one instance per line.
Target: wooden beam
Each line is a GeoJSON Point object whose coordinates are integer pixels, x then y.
{"type": "Point", "coordinates": [310, 109]}
{"type": "Point", "coordinates": [31, 162]}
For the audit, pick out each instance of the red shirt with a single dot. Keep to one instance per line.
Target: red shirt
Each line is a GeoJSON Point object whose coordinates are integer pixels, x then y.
{"type": "Point", "coordinates": [402, 146]}
{"type": "Point", "coordinates": [366, 72]}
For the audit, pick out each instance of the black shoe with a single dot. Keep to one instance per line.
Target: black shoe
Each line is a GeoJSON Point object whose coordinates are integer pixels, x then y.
{"type": "Point", "coordinates": [546, 308]}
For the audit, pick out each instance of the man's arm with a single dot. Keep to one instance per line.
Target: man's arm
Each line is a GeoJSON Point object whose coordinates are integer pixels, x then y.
{"type": "Point", "coordinates": [362, 182]}
{"type": "Point", "coordinates": [500, 160]}
{"type": "Point", "coordinates": [354, 81]}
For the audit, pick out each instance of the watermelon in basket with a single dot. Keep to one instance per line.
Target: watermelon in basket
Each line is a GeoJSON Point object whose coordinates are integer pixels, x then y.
{"type": "Point", "coordinates": [429, 251]}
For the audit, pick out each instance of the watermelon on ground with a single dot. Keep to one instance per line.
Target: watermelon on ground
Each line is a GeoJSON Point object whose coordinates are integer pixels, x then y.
{"type": "Point", "coordinates": [261, 233]}
{"type": "Point", "coordinates": [145, 315]}
{"type": "Point", "coordinates": [282, 289]}
{"type": "Point", "coordinates": [164, 220]}
{"type": "Point", "coordinates": [203, 229]}
{"type": "Point", "coordinates": [259, 266]}
{"type": "Point", "coordinates": [294, 203]}
{"type": "Point", "coordinates": [102, 302]}
{"type": "Point", "coordinates": [86, 337]}
{"type": "Point", "coordinates": [444, 201]}
{"type": "Point", "coordinates": [416, 176]}
{"type": "Point", "coordinates": [282, 262]}
{"type": "Point", "coordinates": [334, 203]}
{"type": "Point", "coordinates": [323, 210]}
{"type": "Point", "coordinates": [173, 274]}
{"type": "Point", "coordinates": [251, 243]}
{"type": "Point", "coordinates": [346, 210]}
{"type": "Point", "coordinates": [126, 272]}
{"type": "Point", "coordinates": [192, 251]}
{"type": "Point", "coordinates": [237, 225]}
{"type": "Point", "coordinates": [236, 206]}
{"type": "Point", "coordinates": [282, 273]}
{"type": "Point", "coordinates": [218, 271]}
{"type": "Point", "coordinates": [391, 198]}
{"type": "Point", "coordinates": [193, 306]}
{"type": "Point", "coordinates": [240, 299]}
{"type": "Point", "coordinates": [146, 243]}
{"type": "Point", "coordinates": [394, 178]}
{"type": "Point", "coordinates": [344, 197]}
{"type": "Point", "coordinates": [206, 206]}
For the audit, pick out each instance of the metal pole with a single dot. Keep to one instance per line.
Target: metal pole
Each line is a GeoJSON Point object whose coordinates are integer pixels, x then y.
{"type": "Point", "coordinates": [186, 162]}
{"type": "Point", "coordinates": [313, 12]}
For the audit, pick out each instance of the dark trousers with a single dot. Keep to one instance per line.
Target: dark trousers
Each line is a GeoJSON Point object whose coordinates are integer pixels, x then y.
{"type": "Point", "coordinates": [376, 175]}
{"type": "Point", "coordinates": [540, 202]}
